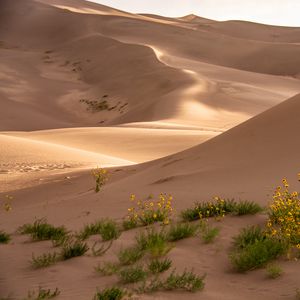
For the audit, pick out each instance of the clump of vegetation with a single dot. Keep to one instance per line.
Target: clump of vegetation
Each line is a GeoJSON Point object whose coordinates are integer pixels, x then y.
{"type": "Point", "coordinates": [249, 236]}
{"type": "Point", "coordinates": [187, 281]}
{"type": "Point", "coordinates": [101, 176]}
{"type": "Point", "coordinates": [257, 254]}
{"type": "Point", "coordinates": [108, 268]}
{"type": "Point", "coordinates": [273, 271]}
{"type": "Point", "coordinates": [40, 230]}
{"type": "Point", "coordinates": [181, 231]}
{"type": "Point", "coordinates": [101, 250]}
{"type": "Point", "coordinates": [159, 266]}
{"type": "Point", "coordinates": [149, 211]}
{"type": "Point", "coordinates": [132, 274]}
{"type": "Point", "coordinates": [108, 229]}
{"type": "Point", "coordinates": [73, 248]}
{"type": "Point", "coordinates": [44, 260]}
{"type": "Point", "coordinates": [4, 237]}
{"type": "Point", "coordinates": [42, 294]}
{"type": "Point", "coordinates": [154, 242]}
{"type": "Point", "coordinates": [113, 293]}
{"type": "Point", "coordinates": [208, 232]}
{"type": "Point", "coordinates": [284, 215]}
{"type": "Point", "coordinates": [130, 255]}
{"type": "Point", "coordinates": [219, 208]}
{"type": "Point", "coordinates": [95, 105]}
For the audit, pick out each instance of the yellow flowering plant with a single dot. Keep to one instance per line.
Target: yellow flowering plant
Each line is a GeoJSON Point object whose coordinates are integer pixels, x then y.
{"type": "Point", "coordinates": [284, 215]}
{"type": "Point", "coordinates": [148, 211]}
{"type": "Point", "coordinates": [101, 176]}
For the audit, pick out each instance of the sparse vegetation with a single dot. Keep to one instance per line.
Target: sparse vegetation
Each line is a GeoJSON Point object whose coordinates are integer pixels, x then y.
{"type": "Point", "coordinates": [73, 248]}
{"type": "Point", "coordinates": [273, 271]}
{"type": "Point", "coordinates": [208, 232]}
{"type": "Point", "coordinates": [246, 208]}
{"type": "Point", "coordinates": [181, 231]}
{"type": "Point", "coordinates": [44, 260]}
{"type": "Point", "coordinates": [101, 250]}
{"type": "Point", "coordinates": [130, 255]}
{"type": "Point", "coordinates": [42, 294]}
{"type": "Point", "coordinates": [40, 230]}
{"type": "Point", "coordinates": [113, 293]}
{"type": "Point", "coordinates": [4, 237]}
{"type": "Point", "coordinates": [95, 105]}
{"type": "Point", "coordinates": [108, 268]}
{"type": "Point", "coordinates": [132, 274]}
{"type": "Point", "coordinates": [159, 266]}
{"type": "Point", "coordinates": [249, 236]}
{"type": "Point", "coordinates": [101, 176]}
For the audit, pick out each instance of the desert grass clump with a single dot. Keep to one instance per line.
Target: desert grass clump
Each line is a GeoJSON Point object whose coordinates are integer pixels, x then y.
{"type": "Point", "coordinates": [4, 237]}
{"type": "Point", "coordinates": [273, 271]}
{"type": "Point", "coordinates": [41, 230]}
{"type": "Point", "coordinates": [157, 266]}
{"type": "Point", "coordinates": [132, 274]}
{"type": "Point", "coordinates": [145, 212]}
{"type": "Point", "coordinates": [284, 215]}
{"type": "Point", "coordinates": [154, 242]}
{"type": "Point", "coordinates": [108, 268]}
{"type": "Point", "coordinates": [73, 248]}
{"type": "Point", "coordinates": [113, 293]}
{"type": "Point", "coordinates": [246, 208]}
{"type": "Point", "coordinates": [257, 254]}
{"type": "Point", "coordinates": [100, 176]}
{"type": "Point", "coordinates": [89, 230]}
{"type": "Point", "coordinates": [208, 233]}
{"type": "Point", "coordinates": [44, 260]}
{"type": "Point", "coordinates": [129, 256]}
{"type": "Point", "coordinates": [181, 231]}
{"type": "Point", "coordinates": [101, 250]}
{"type": "Point", "coordinates": [42, 294]}
{"type": "Point", "coordinates": [249, 236]}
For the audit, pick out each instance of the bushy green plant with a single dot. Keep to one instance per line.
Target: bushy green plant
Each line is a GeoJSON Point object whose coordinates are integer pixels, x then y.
{"type": "Point", "coordinates": [108, 268]}
{"type": "Point", "coordinates": [4, 237]}
{"type": "Point", "coordinates": [129, 256]}
{"type": "Point", "coordinates": [247, 236]}
{"type": "Point", "coordinates": [44, 260]}
{"type": "Point", "coordinates": [181, 231]}
{"type": "Point", "coordinates": [113, 293]}
{"type": "Point", "coordinates": [273, 271]}
{"type": "Point", "coordinates": [73, 248]}
{"type": "Point", "coordinates": [132, 274]}
{"type": "Point", "coordinates": [90, 229]}
{"type": "Point", "coordinates": [158, 266]}
{"type": "Point", "coordinates": [101, 250]}
{"type": "Point", "coordinates": [41, 230]}
{"type": "Point", "coordinates": [246, 208]}
{"type": "Point", "coordinates": [208, 232]}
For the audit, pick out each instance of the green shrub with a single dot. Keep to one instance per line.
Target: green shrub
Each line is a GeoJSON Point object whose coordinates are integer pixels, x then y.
{"type": "Point", "coordinates": [108, 268]}
{"type": "Point", "coordinates": [181, 231]}
{"type": "Point", "coordinates": [42, 294]}
{"type": "Point", "coordinates": [44, 260]}
{"type": "Point", "coordinates": [101, 250]}
{"type": "Point", "coordinates": [209, 233]}
{"type": "Point", "coordinates": [257, 254]}
{"type": "Point", "coordinates": [4, 237]}
{"type": "Point", "coordinates": [273, 271]}
{"type": "Point", "coordinates": [247, 236]}
{"type": "Point", "coordinates": [158, 266]}
{"type": "Point", "coordinates": [90, 229]}
{"type": "Point", "coordinates": [113, 293]}
{"type": "Point", "coordinates": [129, 223]}
{"type": "Point", "coordinates": [41, 230]}
{"type": "Point", "coordinates": [130, 255]}
{"type": "Point", "coordinates": [73, 248]}
{"type": "Point", "coordinates": [247, 208]}
{"type": "Point", "coordinates": [132, 274]}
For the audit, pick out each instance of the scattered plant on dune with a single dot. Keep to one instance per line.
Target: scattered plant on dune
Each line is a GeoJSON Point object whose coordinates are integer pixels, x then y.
{"type": "Point", "coordinates": [133, 274]}
{"type": "Point", "coordinates": [73, 248]}
{"type": "Point", "coordinates": [42, 294]}
{"type": "Point", "coordinates": [181, 231]}
{"type": "Point", "coordinates": [284, 215]}
{"type": "Point", "coordinates": [90, 229]}
{"type": "Point", "coordinates": [154, 242]}
{"type": "Point", "coordinates": [273, 271]}
{"type": "Point", "coordinates": [7, 203]}
{"type": "Point", "coordinates": [101, 176]}
{"type": "Point", "coordinates": [248, 236]}
{"type": "Point", "coordinates": [208, 233]}
{"type": "Point", "coordinates": [186, 281]}
{"type": "Point", "coordinates": [108, 268]}
{"type": "Point", "coordinates": [149, 211]}
{"type": "Point", "coordinates": [219, 208]}
{"type": "Point", "coordinates": [101, 250]}
{"type": "Point", "coordinates": [129, 256]}
{"type": "Point", "coordinates": [113, 293]}
{"type": "Point", "coordinates": [44, 260]}
{"type": "Point", "coordinates": [159, 265]}
{"type": "Point", "coordinates": [4, 237]}
{"type": "Point", "coordinates": [41, 230]}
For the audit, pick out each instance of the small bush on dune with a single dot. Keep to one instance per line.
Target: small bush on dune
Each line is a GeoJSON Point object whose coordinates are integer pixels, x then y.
{"type": "Point", "coordinates": [248, 236]}
{"type": "Point", "coordinates": [89, 230]}
{"type": "Point", "coordinates": [101, 176]}
{"type": "Point", "coordinates": [44, 260]}
{"type": "Point", "coordinates": [247, 208]}
{"type": "Point", "coordinates": [273, 271]}
{"type": "Point", "coordinates": [208, 233]}
{"type": "Point", "coordinates": [42, 294]}
{"type": "Point", "coordinates": [130, 255]}
{"type": "Point", "coordinates": [113, 293]}
{"type": "Point", "coordinates": [132, 274]}
{"type": "Point", "coordinates": [108, 268]}
{"type": "Point", "coordinates": [41, 230]}
{"type": "Point", "coordinates": [181, 231]}
{"type": "Point", "coordinates": [73, 248]}
{"type": "Point", "coordinates": [158, 266]}
{"type": "Point", "coordinates": [4, 237]}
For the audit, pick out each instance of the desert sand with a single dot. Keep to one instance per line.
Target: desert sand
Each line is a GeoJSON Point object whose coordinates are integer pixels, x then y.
{"type": "Point", "coordinates": [188, 106]}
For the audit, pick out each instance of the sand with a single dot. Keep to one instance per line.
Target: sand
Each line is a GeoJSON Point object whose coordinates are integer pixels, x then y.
{"type": "Point", "coordinates": [188, 106]}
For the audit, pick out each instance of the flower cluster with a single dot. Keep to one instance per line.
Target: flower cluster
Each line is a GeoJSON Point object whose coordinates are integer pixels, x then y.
{"type": "Point", "coordinates": [216, 209]}
{"type": "Point", "coordinates": [284, 215]}
{"type": "Point", "coordinates": [101, 176]}
{"type": "Point", "coordinates": [149, 211]}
